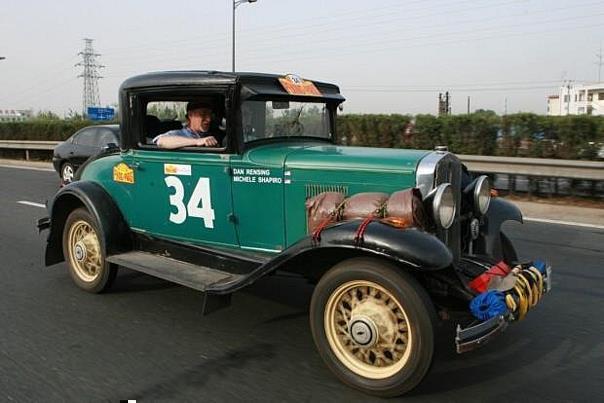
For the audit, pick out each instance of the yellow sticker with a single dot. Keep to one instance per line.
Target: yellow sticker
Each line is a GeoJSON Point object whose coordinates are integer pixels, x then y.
{"type": "Point", "coordinates": [123, 173]}
{"type": "Point", "coordinates": [296, 85]}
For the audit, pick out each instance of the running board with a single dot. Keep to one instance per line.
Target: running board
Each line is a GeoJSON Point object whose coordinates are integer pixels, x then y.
{"type": "Point", "coordinates": [200, 278]}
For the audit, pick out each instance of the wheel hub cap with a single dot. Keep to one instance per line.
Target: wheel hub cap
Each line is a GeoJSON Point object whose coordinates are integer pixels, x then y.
{"type": "Point", "coordinates": [363, 331]}
{"type": "Point", "coordinates": [80, 251]}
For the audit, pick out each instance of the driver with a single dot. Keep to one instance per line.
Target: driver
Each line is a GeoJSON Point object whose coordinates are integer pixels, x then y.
{"type": "Point", "coordinates": [196, 133]}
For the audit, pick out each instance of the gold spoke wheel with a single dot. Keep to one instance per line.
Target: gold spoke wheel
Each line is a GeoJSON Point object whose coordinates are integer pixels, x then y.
{"type": "Point", "coordinates": [84, 251]}
{"type": "Point", "coordinates": [367, 329]}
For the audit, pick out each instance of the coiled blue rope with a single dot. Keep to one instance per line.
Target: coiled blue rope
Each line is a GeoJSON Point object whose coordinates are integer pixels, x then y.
{"type": "Point", "coordinates": [488, 305]}
{"type": "Point", "coordinates": [539, 265]}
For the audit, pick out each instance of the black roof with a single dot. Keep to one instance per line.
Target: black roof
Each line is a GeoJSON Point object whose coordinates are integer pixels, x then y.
{"type": "Point", "coordinates": [255, 83]}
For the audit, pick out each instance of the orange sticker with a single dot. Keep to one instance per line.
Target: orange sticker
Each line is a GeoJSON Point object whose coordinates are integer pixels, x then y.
{"type": "Point", "coordinates": [123, 173]}
{"type": "Point", "coordinates": [296, 85]}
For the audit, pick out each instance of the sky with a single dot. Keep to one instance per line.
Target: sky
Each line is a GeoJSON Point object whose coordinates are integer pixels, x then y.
{"type": "Point", "coordinates": [390, 56]}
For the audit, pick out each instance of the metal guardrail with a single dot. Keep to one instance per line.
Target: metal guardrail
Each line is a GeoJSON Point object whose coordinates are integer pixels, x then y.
{"type": "Point", "coordinates": [536, 167]}
{"type": "Point", "coordinates": [27, 145]}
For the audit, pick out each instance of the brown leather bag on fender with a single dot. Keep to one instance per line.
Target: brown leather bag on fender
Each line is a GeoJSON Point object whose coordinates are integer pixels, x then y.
{"type": "Point", "coordinates": [320, 207]}
{"type": "Point", "coordinates": [406, 206]}
{"type": "Point", "coordinates": [362, 205]}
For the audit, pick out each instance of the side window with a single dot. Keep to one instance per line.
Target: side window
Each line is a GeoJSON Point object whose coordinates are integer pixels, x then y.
{"type": "Point", "coordinates": [106, 136]}
{"type": "Point", "coordinates": [87, 137]}
{"type": "Point", "coordinates": [202, 114]}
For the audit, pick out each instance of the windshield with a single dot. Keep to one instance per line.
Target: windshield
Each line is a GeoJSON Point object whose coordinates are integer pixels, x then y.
{"type": "Point", "coordinates": [271, 119]}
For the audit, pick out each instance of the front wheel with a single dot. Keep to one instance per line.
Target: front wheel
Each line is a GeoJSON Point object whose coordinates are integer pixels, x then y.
{"type": "Point", "coordinates": [373, 325]}
{"type": "Point", "coordinates": [67, 172]}
{"type": "Point", "coordinates": [84, 253]}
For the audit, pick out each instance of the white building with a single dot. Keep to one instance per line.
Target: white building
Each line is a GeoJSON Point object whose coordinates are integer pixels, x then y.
{"type": "Point", "coordinates": [575, 99]}
{"type": "Point", "coordinates": [15, 115]}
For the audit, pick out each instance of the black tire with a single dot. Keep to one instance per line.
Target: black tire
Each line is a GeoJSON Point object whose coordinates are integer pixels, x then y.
{"type": "Point", "coordinates": [83, 251]}
{"type": "Point", "coordinates": [373, 377]}
{"type": "Point", "coordinates": [67, 172]}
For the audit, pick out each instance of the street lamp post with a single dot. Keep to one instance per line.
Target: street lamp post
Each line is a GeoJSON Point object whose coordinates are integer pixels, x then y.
{"type": "Point", "coordinates": [237, 3]}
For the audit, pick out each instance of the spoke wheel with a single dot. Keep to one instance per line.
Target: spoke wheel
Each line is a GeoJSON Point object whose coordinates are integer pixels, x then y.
{"type": "Point", "coordinates": [373, 325]}
{"type": "Point", "coordinates": [367, 329]}
{"type": "Point", "coordinates": [84, 253]}
{"type": "Point", "coordinates": [67, 172]}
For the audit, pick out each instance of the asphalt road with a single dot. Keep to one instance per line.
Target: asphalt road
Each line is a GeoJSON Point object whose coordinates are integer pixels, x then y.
{"type": "Point", "coordinates": [147, 340]}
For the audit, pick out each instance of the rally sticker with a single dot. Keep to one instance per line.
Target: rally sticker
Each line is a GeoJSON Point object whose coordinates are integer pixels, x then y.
{"type": "Point", "coordinates": [296, 85]}
{"type": "Point", "coordinates": [177, 169]}
{"type": "Point", "coordinates": [123, 173]}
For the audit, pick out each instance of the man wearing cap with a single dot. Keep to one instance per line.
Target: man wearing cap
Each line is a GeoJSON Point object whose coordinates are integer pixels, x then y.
{"type": "Point", "coordinates": [195, 134]}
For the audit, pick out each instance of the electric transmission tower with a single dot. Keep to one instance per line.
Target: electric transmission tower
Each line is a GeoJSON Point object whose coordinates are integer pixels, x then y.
{"type": "Point", "coordinates": [90, 95]}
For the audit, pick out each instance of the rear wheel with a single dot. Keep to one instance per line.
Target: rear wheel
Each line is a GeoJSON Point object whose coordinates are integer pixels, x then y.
{"type": "Point", "coordinates": [373, 326]}
{"type": "Point", "coordinates": [84, 253]}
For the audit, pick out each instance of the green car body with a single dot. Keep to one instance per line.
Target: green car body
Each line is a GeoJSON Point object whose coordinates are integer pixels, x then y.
{"type": "Point", "coordinates": [218, 219]}
{"type": "Point", "coordinates": [281, 176]}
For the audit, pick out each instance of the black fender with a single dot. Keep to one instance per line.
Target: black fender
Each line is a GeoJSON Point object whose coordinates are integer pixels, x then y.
{"type": "Point", "coordinates": [115, 233]}
{"type": "Point", "coordinates": [499, 212]}
{"type": "Point", "coordinates": [411, 247]}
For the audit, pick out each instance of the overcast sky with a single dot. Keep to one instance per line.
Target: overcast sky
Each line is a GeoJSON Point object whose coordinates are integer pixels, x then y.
{"type": "Point", "coordinates": [390, 56]}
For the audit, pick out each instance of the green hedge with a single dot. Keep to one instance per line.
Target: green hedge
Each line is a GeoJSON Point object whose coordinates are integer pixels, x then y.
{"type": "Point", "coordinates": [480, 133]}
{"type": "Point", "coordinates": [40, 130]}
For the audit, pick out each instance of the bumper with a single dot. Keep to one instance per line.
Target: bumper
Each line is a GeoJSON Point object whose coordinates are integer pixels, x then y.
{"type": "Point", "coordinates": [479, 334]}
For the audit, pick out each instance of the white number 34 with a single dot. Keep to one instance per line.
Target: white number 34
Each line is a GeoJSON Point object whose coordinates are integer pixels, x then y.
{"type": "Point", "coordinates": [199, 205]}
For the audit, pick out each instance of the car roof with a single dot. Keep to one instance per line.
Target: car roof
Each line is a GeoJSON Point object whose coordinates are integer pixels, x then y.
{"type": "Point", "coordinates": [256, 83]}
{"type": "Point", "coordinates": [114, 127]}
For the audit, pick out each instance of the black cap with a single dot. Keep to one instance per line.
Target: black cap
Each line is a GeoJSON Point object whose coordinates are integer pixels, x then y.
{"type": "Point", "coordinates": [197, 105]}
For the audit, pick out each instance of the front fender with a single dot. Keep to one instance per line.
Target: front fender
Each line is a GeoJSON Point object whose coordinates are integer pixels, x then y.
{"type": "Point", "coordinates": [499, 212]}
{"type": "Point", "coordinates": [412, 247]}
{"type": "Point", "coordinates": [115, 233]}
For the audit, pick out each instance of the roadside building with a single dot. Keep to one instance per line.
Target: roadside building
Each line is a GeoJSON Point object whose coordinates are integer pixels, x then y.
{"type": "Point", "coordinates": [15, 115]}
{"type": "Point", "coordinates": [577, 99]}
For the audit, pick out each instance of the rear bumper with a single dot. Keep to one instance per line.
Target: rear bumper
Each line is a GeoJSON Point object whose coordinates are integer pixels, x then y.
{"type": "Point", "coordinates": [480, 333]}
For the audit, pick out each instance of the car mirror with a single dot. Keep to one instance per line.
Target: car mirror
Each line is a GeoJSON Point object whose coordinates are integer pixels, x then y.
{"type": "Point", "coordinates": [110, 147]}
{"type": "Point", "coordinates": [280, 104]}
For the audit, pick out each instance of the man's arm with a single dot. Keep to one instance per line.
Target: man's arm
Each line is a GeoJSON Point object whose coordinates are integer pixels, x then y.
{"type": "Point", "coordinates": [172, 142]}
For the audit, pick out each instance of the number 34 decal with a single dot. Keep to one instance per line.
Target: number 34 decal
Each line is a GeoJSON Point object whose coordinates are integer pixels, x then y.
{"type": "Point", "coordinates": [199, 205]}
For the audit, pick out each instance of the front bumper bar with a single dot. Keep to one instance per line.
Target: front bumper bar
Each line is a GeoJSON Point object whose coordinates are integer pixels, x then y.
{"type": "Point", "coordinates": [479, 334]}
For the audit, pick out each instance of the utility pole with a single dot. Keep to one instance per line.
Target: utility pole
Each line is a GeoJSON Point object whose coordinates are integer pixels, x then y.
{"type": "Point", "coordinates": [444, 105]}
{"type": "Point", "coordinates": [468, 104]}
{"type": "Point", "coordinates": [90, 93]}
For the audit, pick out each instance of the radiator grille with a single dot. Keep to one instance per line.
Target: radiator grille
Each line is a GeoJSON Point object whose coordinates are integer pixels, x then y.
{"type": "Point", "coordinates": [448, 170]}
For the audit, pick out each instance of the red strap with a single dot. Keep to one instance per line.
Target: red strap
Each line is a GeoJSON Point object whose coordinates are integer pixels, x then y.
{"type": "Point", "coordinates": [362, 228]}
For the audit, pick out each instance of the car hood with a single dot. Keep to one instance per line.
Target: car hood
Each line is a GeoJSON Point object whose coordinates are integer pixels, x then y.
{"type": "Point", "coordinates": [319, 156]}
{"type": "Point", "coordinates": [330, 157]}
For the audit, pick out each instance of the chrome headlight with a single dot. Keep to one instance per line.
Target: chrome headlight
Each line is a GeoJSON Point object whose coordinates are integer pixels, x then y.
{"type": "Point", "coordinates": [482, 195]}
{"type": "Point", "coordinates": [443, 206]}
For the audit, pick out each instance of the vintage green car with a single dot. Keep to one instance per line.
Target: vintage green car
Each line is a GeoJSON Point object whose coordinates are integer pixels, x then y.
{"type": "Point", "coordinates": [395, 240]}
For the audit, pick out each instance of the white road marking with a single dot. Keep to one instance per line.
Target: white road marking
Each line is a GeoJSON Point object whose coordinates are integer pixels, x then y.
{"type": "Point", "coordinates": [572, 223]}
{"type": "Point", "coordinates": [27, 168]}
{"type": "Point", "coordinates": [28, 203]}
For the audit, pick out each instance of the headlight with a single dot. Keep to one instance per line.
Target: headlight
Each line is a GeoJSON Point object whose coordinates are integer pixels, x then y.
{"type": "Point", "coordinates": [482, 195]}
{"type": "Point", "coordinates": [443, 206]}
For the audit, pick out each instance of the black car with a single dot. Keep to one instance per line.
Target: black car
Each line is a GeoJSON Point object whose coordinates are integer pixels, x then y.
{"type": "Point", "coordinates": [86, 142]}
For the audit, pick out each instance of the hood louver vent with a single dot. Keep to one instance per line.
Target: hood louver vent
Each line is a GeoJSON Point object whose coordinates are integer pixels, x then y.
{"type": "Point", "coordinates": [313, 190]}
